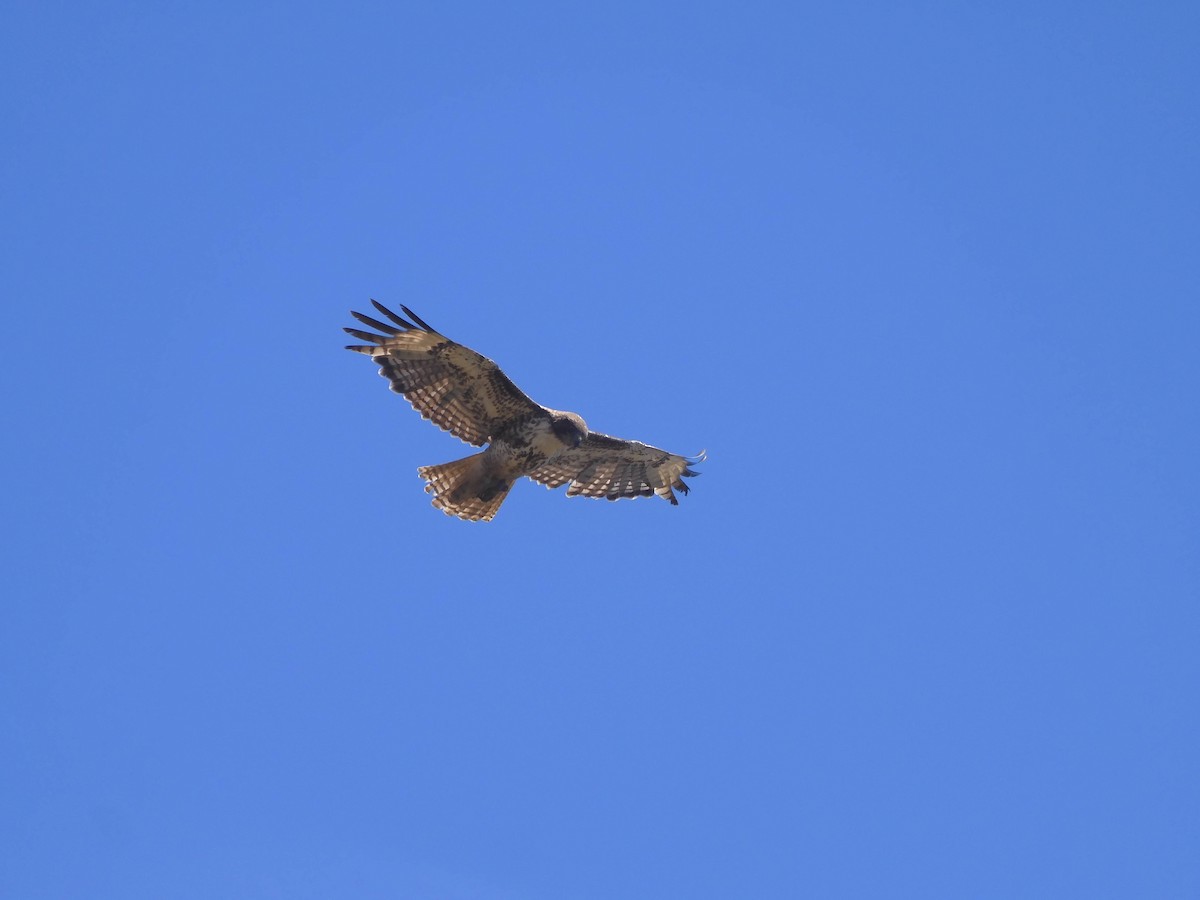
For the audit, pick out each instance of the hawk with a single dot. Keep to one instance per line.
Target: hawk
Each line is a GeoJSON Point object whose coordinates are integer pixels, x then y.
{"type": "Point", "coordinates": [467, 394]}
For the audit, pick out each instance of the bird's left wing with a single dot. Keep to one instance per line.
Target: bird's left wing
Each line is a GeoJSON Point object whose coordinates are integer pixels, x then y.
{"type": "Point", "coordinates": [612, 468]}
{"type": "Point", "coordinates": [454, 387]}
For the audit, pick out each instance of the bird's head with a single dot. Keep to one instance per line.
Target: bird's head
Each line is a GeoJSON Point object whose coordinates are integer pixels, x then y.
{"type": "Point", "coordinates": [569, 428]}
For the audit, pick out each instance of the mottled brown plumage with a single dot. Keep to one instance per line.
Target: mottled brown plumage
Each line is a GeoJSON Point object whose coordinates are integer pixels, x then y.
{"type": "Point", "coordinates": [468, 395]}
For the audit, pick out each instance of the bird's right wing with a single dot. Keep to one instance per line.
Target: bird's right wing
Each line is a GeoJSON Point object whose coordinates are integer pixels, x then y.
{"type": "Point", "coordinates": [454, 387]}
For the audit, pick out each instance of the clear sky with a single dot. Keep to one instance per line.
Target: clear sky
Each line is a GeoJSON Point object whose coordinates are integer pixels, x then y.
{"type": "Point", "coordinates": [923, 280]}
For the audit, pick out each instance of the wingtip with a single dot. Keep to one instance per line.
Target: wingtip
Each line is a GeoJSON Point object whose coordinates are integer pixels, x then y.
{"type": "Point", "coordinates": [386, 329]}
{"type": "Point", "coordinates": [392, 316]}
{"type": "Point", "coordinates": [412, 315]}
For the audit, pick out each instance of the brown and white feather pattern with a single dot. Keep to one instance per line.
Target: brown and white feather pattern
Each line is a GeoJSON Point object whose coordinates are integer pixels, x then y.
{"type": "Point", "coordinates": [612, 468]}
{"type": "Point", "coordinates": [466, 394]}
{"type": "Point", "coordinates": [459, 390]}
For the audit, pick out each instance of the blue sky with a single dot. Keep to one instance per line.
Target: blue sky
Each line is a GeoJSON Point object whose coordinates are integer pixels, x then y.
{"type": "Point", "coordinates": [921, 278]}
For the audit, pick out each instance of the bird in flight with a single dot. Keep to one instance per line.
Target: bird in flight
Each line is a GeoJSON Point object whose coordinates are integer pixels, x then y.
{"type": "Point", "coordinates": [467, 394]}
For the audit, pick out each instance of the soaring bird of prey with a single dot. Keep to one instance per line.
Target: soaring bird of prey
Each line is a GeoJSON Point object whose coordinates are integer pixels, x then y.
{"type": "Point", "coordinates": [465, 393]}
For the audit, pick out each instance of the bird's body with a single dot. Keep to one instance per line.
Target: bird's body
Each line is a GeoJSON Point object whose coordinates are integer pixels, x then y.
{"type": "Point", "coordinates": [468, 395]}
{"type": "Point", "coordinates": [475, 487]}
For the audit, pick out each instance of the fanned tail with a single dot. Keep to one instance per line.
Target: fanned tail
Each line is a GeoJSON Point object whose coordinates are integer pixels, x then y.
{"type": "Point", "coordinates": [465, 488]}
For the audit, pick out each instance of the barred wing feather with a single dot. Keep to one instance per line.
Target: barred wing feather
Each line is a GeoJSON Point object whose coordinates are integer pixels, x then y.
{"type": "Point", "coordinates": [612, 468]}
{"type": "Point", "coordinates": [459, 390]}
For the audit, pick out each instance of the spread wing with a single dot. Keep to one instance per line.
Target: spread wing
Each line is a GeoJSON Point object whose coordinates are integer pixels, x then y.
{"type": "Point", "coordinates": [604, 466]}
{"type": "Point", "coordinates": [454, 387]}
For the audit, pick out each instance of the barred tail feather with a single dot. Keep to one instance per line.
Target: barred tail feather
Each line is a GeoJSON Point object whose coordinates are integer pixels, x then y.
{"type": "Point", "coordinates": [465, 488]}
